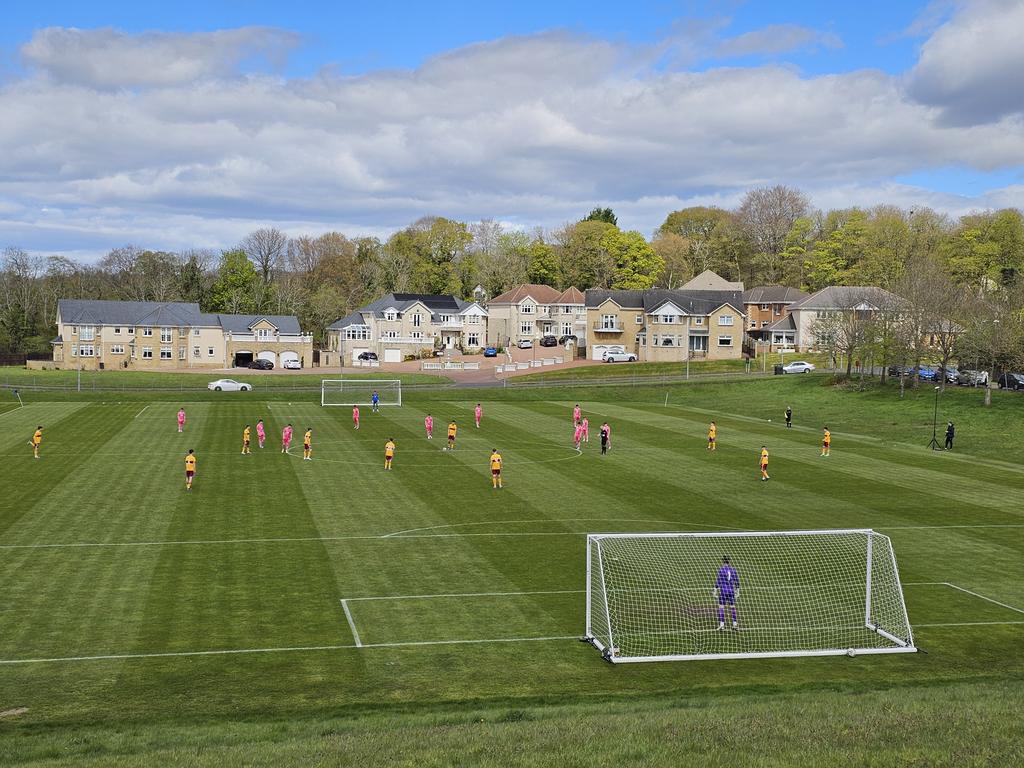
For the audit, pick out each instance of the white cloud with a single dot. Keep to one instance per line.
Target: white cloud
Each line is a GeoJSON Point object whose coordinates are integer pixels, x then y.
{"type": "Point", "coordinates": [535, 130]}
{"type": "Point", "coordinates": [970, 69]}
{"type": "Point", "coordinates": [777, 38]}
{"type": "Point", "coordinates": [110, 58]}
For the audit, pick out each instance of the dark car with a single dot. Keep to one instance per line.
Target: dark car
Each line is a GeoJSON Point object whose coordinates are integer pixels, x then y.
{"type": "Point", "coordinates": [1011, 381]}
{"type": "Point", "coordinates": [569, 338]}
{"type": "Point", "coordinates": [261, 365]}
{"type": "Point", "coordinates": [972, 378]}
{"type": "Point", "coordinates": [367, 356]}
{"type": "Point", "coordinates": [490, 352]}
{"type": "Point", "coordinates": [898, 370]}
{"type": "Point", "coordinates": [950, 374]}
{"type": "Point", "coordinates": [548, 341]}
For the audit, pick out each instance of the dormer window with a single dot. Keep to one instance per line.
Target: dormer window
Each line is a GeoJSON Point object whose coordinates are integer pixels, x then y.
{"type": "Point", "coordinates": [263, 334]}
{"type": "Point", "coordinates": [527, 309]}
{"type": "Point", "coordinates": [391, 315]}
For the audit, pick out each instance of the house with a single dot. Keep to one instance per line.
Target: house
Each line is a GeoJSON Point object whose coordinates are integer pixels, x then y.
{"type": "Point", "coordinates": [830, 302]}
{"type": "Point", "coordinates": [767, 311]}
{"type": "Point", "coordinates": [666, 325]}
{"type": "Point", "coordinates": [709, 280]}
{"type": "Point", "coordinates": [402, 324]}
{"type": "Point", "coordinates": [531, 311]}
{"type": "Point", "coordinates": [155, 335]}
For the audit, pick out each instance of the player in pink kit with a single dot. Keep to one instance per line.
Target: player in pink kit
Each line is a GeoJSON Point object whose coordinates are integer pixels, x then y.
{"type": "Point", "coordinates": [428, 424]}
{"type": "Point", "coordinates": [585, 427]}
{"type": "Point", "coordinates": [355, 416]}
{"type": "Point", "coordinates": [261, 433]}
{"type": "Point", "coordinates": [576, 415]}
{"type": "Point", "coordinates": [577, 435]}
{"type": "Point", "coordinates": [478, 414]}
{"type": "Point", "coordinates": [181, 420]}
{"type": "Point", "coordinates": [286, 438]}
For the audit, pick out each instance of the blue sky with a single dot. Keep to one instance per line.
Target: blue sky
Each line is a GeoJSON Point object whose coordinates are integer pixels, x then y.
{"type": "Point", "coordinates": [188, 124]}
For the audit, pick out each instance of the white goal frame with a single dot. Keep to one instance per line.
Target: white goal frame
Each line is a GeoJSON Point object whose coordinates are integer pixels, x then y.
{"type": "Point", "coordinates": [596, 581]}
{"type": "Point", "coordinates": [364, 387]}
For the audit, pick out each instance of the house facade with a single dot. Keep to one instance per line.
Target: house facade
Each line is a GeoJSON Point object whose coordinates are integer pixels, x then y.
{"type": "Point", "coordinates": [666, 326]}
{"type": "Point", "coordinates": [832, 302]}
{"type": "Point", "coordinates": [402, 324]}
{"type": "Point", "coordinates": [767, 311]}
{"type": "Point", "coordinates": [532, 311]}
{"type": "Point", "coordinates": [151, 335]}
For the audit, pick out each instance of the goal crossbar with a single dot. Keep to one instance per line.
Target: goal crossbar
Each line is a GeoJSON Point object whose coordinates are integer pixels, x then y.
{"type": "Point", "coordinates": [826, 592]}
{"type": "Point", "coordinates": [360, 391]}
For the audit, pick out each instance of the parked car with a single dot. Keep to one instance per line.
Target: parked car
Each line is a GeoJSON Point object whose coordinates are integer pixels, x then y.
{"type": "Point", "coordinates": [548, 341]}
{"type": "Point", "coordinates": [490, 352]}
{"type": "Point", "coordinates": [525, 344]}
{"type": "Point", "coordinates": [924, 373]}
{"type": "Point", "coordinates": [364, 356]}
{"type": "Point", "coordinates": [261, 365]}
{"type": "Point", "coordinates": [972, 378]}
{"type": "Point", "coordinates": [292, 365]}
{"type": "Point", "coordinates": [618, 357]}
{"type": "Point", "coordinates": [798, 366]}
{"type": "Point", "coordinates": [571, 337]}
{"type": "Point", "coordinates": [898, 370]}
{"type": "Point", "coordinates": [228, 385]}
{"type": "Point", "coordinates": [950, 374]}
{"type": "Point", "coordinates": [1011, 381]}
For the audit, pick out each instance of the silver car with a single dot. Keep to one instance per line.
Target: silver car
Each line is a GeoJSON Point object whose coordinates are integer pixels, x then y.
{"type": "Point", "coordinates": [618, 357]}
{"type": "Point", "coordinates": [798, 366]}
{"type": "Point", "coordinates": [228, 385]}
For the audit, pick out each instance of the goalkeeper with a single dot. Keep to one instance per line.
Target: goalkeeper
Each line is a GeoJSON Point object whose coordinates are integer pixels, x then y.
{"type": "Point", "coordinates": [727, 589]}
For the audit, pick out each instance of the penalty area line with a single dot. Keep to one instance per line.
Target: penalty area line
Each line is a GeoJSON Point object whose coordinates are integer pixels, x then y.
{"type": "Point", "coordinates": [351, 624]}
{"type": "Point", "coordinates": [141, 412]}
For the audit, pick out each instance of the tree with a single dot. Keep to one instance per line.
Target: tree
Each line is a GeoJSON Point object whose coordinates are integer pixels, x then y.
{"type": "Point", "coordinates": [674, 251]}
{"type": "Point", "coordinates": [602, 214]}
{"type": "Point", "coordinates": [993, 332]}
{"type": "Point", "coordinates": [833, 258]}
{"type": "Point", "coordinates": [238, 288]}
{"type": "Point", "coordinates": [193, 282]}
{"type": "Point", "coordinates": [703, 230]}
{"type": "Point", "coordinates": [637, 266]}
{"type": "Point", "coordinates": [766, 216]}
{"type": "Point", "coordinates": [584, 260]}
{"type": "Point", "coordinates": [544, 267]}
{"type": "Point", "coordinates": [267, 248]}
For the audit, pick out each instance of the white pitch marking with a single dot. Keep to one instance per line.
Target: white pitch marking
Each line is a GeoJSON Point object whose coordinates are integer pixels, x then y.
{"type": "Point", "coordinates": [351, 624]}
{"type": "Point", "coordinates": [140, 412]}
{"type": "Point", "coordinates": [989, 599]}
{"type": "Point", "coordinates": [469, 594]}
{"type": "Point", "coordinates": [939, 527]}
{"type": "Point", "coordinates": [552, 520]}
{"type": "Point", "coordinates": [971, 624]}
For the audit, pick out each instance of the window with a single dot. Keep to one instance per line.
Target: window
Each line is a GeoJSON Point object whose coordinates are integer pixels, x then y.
{"type": "Point", "coordinates": [417, 334]}
{"type": "Point", "coordinates": [668, 319]}
{"type": "Point", "coordinates": [165, 335]}
{"type": "Point", "coordinates": [446, 319]}
{"type": "Point", "coordinates": [117, 349]}
{"type": "Point", "coordinates": [181, 353]}
{"type": "Point", "coordinates": [182, 332]}
{"type": "Point", "coordinates": [526, 309]}
{"type": "Point", "coordinates": [196, 352]}
{"type": "Point", "coordinates": [209, 351]}
{"type": "Point", "coordinates": [778, 310]}
{"type": "Point", "coordinates": [147, 353]}
{"type": "Point", "coordinates": [74, 350]}
{"type": "Point", "coordinates": [725, 341]}
{"type": "Point", "coordinates": [526, 328]}
{"type": "Point", "coordinates": [263, 334]}
{"type": "Point", "coordinates": [87, 333]}
{"type": "Point", "coordinates": [358, 332]}
{"type": "Point", "coordinates": [117, 331]}
{"type": "Point", "coordinates": [85, 350]}
{"type": "Point", "coordinates": [698, 321]}
{"type": "Point", "coordinates": [473, 339]}
{"type": "Point", "coordinates": [654, 339]}
{"type": "Point", "coordinates": [473, 319]}
{"type": "Point", "coordinates": [668, 341]}
{"type": "Point", "coordinates": [131, 330]}
{"type": "Point", "coordinates": [567, 310]}
{"type": "Point", "coordinates": [195, 331]}
{"type": "Point", "coordinates": [391, 334]}
{"type": "Point", "coordinates": [74, 330]}
{"type": "Point", "coordinates": [766, 306]}
{"type": "Point", "coordinates": [416, 319]}
{"type": "Point", "coordinates": [639, 319]}
{"type": "Point", "coordinates": [147, 331]}
{"type": "Point", "coordinates": [390, 315]}
{"type": "Point", "coordinates": [764, 323]}
{"type": "Point", "coordinates": [542, 310]}
{"type": "Point", "coordinates": [753, 323]}
{"type": "Point", "coordinates": [725, 319]}
{"type": "Point", "coordinates": [610, 321]}
{"type": "Point", "coordinates": [166, 353]}
{"type": "Point", "coordinates": [567, 329]}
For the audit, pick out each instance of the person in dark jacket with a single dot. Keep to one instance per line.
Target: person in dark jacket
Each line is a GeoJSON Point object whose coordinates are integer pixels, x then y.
{"type": "Point", "coordinates": [950, 432]}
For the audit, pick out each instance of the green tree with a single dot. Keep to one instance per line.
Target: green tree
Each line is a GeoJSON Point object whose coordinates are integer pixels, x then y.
{"type": "Point", "coordinates": [544, 268]}
{"type": "Point", "coordinates": [834, 257]}
{"type": "Point", "coordinates": [637, 266]}
{"type": "Point", "coordinates": [238, 287]}
{"type": "Point", "coordinates": [607, 215]}
{"type": "Point", "coordinates": [585, 261]}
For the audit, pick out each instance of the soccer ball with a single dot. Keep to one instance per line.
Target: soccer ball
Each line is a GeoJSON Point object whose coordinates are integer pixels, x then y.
{"type": "Point", "coordinates": [851, 652]}
{"type": "Point", "coordinates": [769, 419]}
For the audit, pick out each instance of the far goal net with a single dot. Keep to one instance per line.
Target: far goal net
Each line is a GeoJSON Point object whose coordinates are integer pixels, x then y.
{"type": "Point", "coordinates": [360, 391]}
{"type": "Point", "coordinates": [682, 596]}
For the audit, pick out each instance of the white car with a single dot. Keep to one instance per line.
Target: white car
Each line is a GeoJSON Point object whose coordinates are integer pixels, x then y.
{"type": "Point", "coordinates": [292, 365]}
{"type": "Point", "coordinates": [618, 357]}
{"type": "Point", "coordinates": [798, 366]}
{"type": "Point", "coordinates": [525, 344]}
{"type": "Point", "coordinates": [228, 385]}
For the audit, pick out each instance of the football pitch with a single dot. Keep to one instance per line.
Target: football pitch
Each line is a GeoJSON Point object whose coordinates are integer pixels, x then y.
{"type": "Point", "coordinates": [281, 594]}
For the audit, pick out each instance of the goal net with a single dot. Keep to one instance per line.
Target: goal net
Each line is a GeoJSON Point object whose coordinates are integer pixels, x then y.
{"type": "Point", "coordinates": [360, 391]}
{"type": "Point", "coordinates": [680, 596]}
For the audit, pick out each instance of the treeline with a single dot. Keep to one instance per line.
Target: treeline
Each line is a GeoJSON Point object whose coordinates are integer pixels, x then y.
{"type": "Point", "coordinates": [774, 236]}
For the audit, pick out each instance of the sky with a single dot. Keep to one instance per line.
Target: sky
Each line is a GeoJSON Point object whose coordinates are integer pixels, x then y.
{"type": "Point", "coordinates": [188, 125]}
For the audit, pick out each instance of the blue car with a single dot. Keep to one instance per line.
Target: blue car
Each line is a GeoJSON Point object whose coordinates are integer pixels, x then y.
{"type": "Point", "coordinates": [924, 373]}
{"type": "Point", "coordinates": [491, 352]}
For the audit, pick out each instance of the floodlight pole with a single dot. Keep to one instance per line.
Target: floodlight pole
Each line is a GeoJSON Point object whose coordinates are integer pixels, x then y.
{"type": "Point", "coordinates": [934, 444]}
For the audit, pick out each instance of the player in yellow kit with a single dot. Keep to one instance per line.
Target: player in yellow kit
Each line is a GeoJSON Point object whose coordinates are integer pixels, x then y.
{"type": "Point", "coordinates": [496, 469]}
{"type": "Point", "coordinates": [452, 431]}
{"type": "Point", "coordinates": [712, 436]}
{"type": "Point", "coordinates": [246, 440]}
{"type": "Point", "coordinates": [764, 463]}
{"type": "Point", "coordinates": [307, 445]}
{"type": "Point", "coordinates": [389, 452]}
{"type": "Point", "coordinates": [190, 469]}
{"type": "Point", "coordinates": [37, 439]}
{"type": "Point", "coordinates": [826, 442]}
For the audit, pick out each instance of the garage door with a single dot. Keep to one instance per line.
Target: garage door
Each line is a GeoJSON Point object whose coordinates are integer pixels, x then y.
{"type": "Point", "coordinates": [286, 356]}
{"type": "Point", "coordinates": [243, 358]}
{"type": "Point", "coordinates": [357, 351]}
{"type": "Point", "coordinates": [271, 356]}
{"type": "Point", "coordinates": [392, 355]}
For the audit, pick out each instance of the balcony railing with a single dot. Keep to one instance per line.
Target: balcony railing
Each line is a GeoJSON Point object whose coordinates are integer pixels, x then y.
{"type": "Point", "coordinates": [605, 327]}
{"type": "Point", "coordinates": [283, 338]}
{"type": "Point", "coordinates": [450, 325]}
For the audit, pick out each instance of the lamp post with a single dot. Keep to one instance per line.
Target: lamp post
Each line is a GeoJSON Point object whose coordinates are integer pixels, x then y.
{"type": "Point", "coordinates": [934, 444]}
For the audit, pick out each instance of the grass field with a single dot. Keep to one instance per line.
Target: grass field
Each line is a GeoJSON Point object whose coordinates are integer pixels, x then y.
{"type": "Point", "coordinates": [143, 624]}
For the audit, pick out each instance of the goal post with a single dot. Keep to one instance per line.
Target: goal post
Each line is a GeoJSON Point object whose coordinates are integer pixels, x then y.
{"type": "Point", "coordinates": [700, 596]}
{"type": "Point", "coordinates": [360, 391]}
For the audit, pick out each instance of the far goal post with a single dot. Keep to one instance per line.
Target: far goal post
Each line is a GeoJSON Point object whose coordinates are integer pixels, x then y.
{"type": "Point", "coordinates": [693, 596]}
{"type": "Point", "coordinates": [360, 391]}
